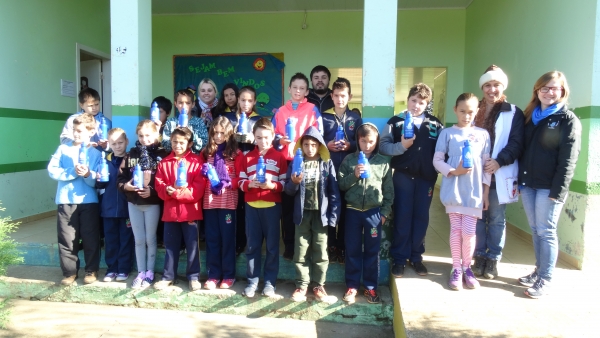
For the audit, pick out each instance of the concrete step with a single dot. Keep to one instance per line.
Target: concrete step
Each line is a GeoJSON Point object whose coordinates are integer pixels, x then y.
{"type": "Point", "coordinates": [39, 254]}
{"type": "Point", "coordinates": [41, 283]}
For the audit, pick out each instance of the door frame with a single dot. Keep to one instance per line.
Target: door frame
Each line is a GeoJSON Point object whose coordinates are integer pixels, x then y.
{"type": "Point", "coordinates": [92, 51]}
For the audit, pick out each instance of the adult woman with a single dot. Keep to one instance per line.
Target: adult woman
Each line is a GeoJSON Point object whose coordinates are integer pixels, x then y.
{"type": "Point", "coordinates": [227, 103]}
{"type": "Point", "coordinates": [552, 144]}
{"type": "Point", "coordinates": [504, 122]}
{"type": "Point", "coordinates": [207, 99]}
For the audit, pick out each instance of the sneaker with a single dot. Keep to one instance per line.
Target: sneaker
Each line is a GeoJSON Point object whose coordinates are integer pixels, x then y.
{"type": "Point", "coordinates": [420, 268]}
{"type": "Point", "coordinates": [249, 291]}
{"type": "Point", "coordinates": [163, 284]}
{"type": "Point", "coordinates": [332, 253]}
{"type": "Point", "coordinates": [137, 281]}
{"type": "Point", "coordinates": [121, 277]}
{"type": "Point", "coordinates": [320, 293]}
{"type": "Point", "coordinates": [398, 270]}
{"type": "Point", "coordinates": [342, 256]}
{"type": "Point", "coordinates": [90, 277]}
{"type": "Point", "coordinates": [350, 296]}
{"type": "Point", "coordinates": [109, 277]}
{"type": "Point", "coordinates": [479, 266]}
{"type": "Point", "coordinates": [299, 295]}
{"type": "Point", "coordinates": [227, 283]}
{"type": "Point", "coordinates": [529, 280]}
{"type": "Point", "coordinates": [539, 289]}
{"type": "Point", "coordinates": [211, 284]}
{"type": "Point", "coordinates": [491, 270]}
{"type": "Point", "coordinates": [195, 285]}
{"type": "Point", "coordinates": [372, 296]}
{"type": "Point", "coordinates": [469, 278]}
{"type": "Point", "coordinates": [148, 280]}
{"type": "Point", "coordinates": [268, 290]}
{"type": "Point", "coordinates": [68, 280]}
{"type": "Point", "coordinates": [288, 254]}
{"type": "Point", "coordinates": [455, 280]}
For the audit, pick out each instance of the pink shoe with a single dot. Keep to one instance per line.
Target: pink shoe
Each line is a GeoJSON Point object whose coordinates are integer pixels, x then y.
{"type": "Point", "coordinates": [455, 281]}
{"type": "Point", "coordinates": [227, 283]}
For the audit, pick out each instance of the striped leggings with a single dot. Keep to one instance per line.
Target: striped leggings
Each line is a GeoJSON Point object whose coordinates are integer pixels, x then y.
{"type": "Point", "coordinates": [462, 239]}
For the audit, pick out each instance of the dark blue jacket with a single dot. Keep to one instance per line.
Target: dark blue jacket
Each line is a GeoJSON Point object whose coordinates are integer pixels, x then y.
{"type": "Point", "coordinates": [351, 121]}
{"type": "Point", "coordinates": [114, 202]}
{"type": "Point", "coordinates": [329, 193]}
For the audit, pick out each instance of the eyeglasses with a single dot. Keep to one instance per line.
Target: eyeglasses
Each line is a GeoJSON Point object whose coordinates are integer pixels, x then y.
{"type": "Point", "coordinates": [553, 89]}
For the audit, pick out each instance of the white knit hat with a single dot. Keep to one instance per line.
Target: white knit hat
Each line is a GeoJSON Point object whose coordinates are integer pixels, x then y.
{"type": "Point", "coordinates": [494, 75]}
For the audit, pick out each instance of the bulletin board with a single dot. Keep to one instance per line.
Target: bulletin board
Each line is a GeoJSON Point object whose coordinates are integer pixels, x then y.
{"type": "Point", "coordinates": [263, 71]}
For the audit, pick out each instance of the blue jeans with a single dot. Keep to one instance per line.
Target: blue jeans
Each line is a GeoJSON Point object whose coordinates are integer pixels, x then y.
{"type": "Point", "coordinates": [491, 229]}
{"type": "Point", "coordinates": [542, 215]}
{"type": "Point", "coordinates": [363, 230]}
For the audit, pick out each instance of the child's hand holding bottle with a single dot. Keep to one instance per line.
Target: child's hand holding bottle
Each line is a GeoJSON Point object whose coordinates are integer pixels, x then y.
{"type": "Point", "coordinates": [460, 170]}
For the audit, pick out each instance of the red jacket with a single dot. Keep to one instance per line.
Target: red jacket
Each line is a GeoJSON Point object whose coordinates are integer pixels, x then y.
{"type": "Point", "coordinates": [185, 203]}
{"type": "Point", "coordinates": [276, 170]}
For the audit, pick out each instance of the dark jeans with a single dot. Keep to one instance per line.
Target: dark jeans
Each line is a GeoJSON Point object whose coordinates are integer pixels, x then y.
{"type": "Point", "coordinates": [335, 235]}
{"type": "Point", "coordinates": [174, 231]}
{"type": "Point", "coordinates": [240, 230]}
{"type": "Point", "coordinates": [287, 221]}
{"type": "Point", "coordinates": [220, 243]}
{"type": "Point", "coordinates": [118, 245]}
{"type": "Point", "coordinates": [77, 222]}
{"type": "Point", "coordinates": [262, 224]}
{"type": "Point", "coordinates": [362, 227]}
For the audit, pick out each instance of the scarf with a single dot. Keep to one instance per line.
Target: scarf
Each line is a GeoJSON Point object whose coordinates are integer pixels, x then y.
{"type": "Point", "coordinates": [219, 163]}
{"type": "Point", "coordinates": [488, 122]}
{"type": "Point", "coordinates": [148, 158]}
{"type": "Point", "coordinates": [537, 115]}
{"type": "Point", "coordinates": [205, 111]}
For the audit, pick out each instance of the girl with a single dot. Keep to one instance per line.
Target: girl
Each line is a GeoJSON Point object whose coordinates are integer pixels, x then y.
{"type": "Point", "coordinates": [182, 208]}
{"type": "Point", "coordinates": [504, 122]}
{"type": "Point", "coordinates": [220, 203]}
{"type": "Point", "coordinates": [144, 204]}
{"type": "Point", "coordinates": [228, 102]}
{"type": "Point", "coordinates": [207, 100]}
{"type": "Point", "coordinates": [552, 144]}
{"type": "Point", "coordinates": [464, 191]}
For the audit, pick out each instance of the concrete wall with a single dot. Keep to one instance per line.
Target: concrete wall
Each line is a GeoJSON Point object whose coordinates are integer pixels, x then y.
{"type": "Point", "coordinates": [38, 50]}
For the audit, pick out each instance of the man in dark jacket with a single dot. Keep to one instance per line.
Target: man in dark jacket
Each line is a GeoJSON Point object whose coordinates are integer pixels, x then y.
{"type": "Point", "coordinates": [320, 95]}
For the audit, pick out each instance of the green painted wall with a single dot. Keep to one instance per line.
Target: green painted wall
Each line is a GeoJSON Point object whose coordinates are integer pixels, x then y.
{"type": "Point", "coordinates": [38, 50]}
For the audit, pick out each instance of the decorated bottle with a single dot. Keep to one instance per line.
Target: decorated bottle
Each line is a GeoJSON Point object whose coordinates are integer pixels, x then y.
{"type": "Point", "coordinates": [213, 177]}
{"type": "Point", "coordinates": [138, 177]}
{"type": "Point", "coordinates": [183, 118]}
{"type": "Point", "coordinates": [154, 112]}
{"type": "Point", "coordinates": [83, 154]}
{"type": "Point", "coordinates": [103, 129]}
{"type": "Point", "coordinates": [362, 159]}
{"type": "Point", "coordinates": [467, 155]}
{"type": "Point", "coordinates": [409, 131]}
{"type": "Point", "coordinates": [290, 129]}
{"type": "Point", "coordinates": [297, 164]}
{"type": "Point", "coordinates": [104, 174]}
{"type": "Point", "coordinates": [261, 170]}
{"type": "Point", "coordinates": [242, 127]}
{"type": "Point", "coordinates": [181, 180]}
{"type": "Point", "coordinates": [339, 134]}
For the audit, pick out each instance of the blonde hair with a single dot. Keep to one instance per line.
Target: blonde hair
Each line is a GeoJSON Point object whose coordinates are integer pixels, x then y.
{"type": "Point", "coordinates": [87, 120]}
{"type": "Point", "coordinates": [210, 82]}
{"type": "Point", "coordinates": [117, 131]}
{"type": "Point", "coordinates": [541, 82]}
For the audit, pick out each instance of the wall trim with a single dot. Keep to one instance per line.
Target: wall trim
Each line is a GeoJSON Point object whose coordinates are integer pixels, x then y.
{"type": "Point", "coordinates": [33, 218]}
{"type": "Point", "coordinates": [23, 166]}
{"type": "Point", "coordinates": [33, 114]}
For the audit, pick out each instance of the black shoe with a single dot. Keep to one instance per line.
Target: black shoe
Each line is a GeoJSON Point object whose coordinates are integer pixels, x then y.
{"type": "Point", "coordinates": [529, 279]}
{"type": "Point", "coordinates": [239, 251]}
{"type": "Point", "coordinates": [420, 269]}
{"type": "Point", "coordinates": [342, 256]}
{"type": "Point", "coordinates": [288, 254]}
{"type": "Point", "coordinates": [398, 270]}
{"type": "Point", "coordinates": [479, 266]}
{"type": "Point", "coordinates": [332, 254]}
{"type": "Point", "coordinates": [491, 270]}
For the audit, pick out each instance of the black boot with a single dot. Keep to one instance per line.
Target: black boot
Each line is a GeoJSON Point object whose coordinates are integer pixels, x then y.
{"type": "Point", "coordinates": [491, 270]}
{"type": "Point", "coordinates": [479, 266]}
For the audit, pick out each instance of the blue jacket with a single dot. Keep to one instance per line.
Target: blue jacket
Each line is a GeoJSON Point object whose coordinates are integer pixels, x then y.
{"type": "Point", "coordinates": [351, 122]}
{"type": "Point", "coordinates": [66, 136]}
{"type": "Point", "coordinates": [114, 202]}
{"type": "Point", "coordinates": [73, 189]}
{"type": "Point", "coordinates": [329, 193]}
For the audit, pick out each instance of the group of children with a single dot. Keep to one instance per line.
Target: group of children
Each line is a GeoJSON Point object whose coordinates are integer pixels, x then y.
{"type": "Point", "coordinates": [225, 177]}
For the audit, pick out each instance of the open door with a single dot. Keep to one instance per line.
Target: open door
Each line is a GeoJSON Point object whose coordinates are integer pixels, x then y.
{"type": "Point", "coordinates": [93, 70]}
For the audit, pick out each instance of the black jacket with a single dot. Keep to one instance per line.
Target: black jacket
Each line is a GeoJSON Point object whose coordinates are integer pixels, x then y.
{"type": "Point", "coordinates": [416, 161]}
{"type": "Point", "coordinates": [322, 104]}
{"type": "Point", "coordinates": [550, 153]}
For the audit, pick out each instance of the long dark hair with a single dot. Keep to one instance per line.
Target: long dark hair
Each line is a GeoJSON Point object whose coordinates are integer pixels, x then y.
{"type": "Point", "coordinates": [231, 146]}
{"type": "Point", "coordinates": [221, 106]}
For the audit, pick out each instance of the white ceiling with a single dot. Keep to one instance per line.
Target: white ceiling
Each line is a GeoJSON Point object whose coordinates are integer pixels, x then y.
{"type": "Point", "coordinates": [245, 6]}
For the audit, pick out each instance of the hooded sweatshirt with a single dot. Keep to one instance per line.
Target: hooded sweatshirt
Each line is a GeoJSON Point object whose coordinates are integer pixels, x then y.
{"type": "Point", "coordinates": [305, 115]}
{"type": "Point", "coordinates": [328, 194]}
{"type": "Point", "coordinates": [377, 191]}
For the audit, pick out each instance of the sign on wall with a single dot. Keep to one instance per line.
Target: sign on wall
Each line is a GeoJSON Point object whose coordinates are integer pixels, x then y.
{"type": "Point", "coordinates": [262, 71]}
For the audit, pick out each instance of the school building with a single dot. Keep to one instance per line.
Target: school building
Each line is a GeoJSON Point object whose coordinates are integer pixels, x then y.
{"type": "Point", "coordinates": [383, 46]}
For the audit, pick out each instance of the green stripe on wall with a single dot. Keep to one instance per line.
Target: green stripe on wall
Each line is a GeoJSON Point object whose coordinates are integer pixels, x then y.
{"type": "Point", "coordinates": [587, 112]}
{"type": "Point", "coordinates": [24, 166]}
{"type": "Point", "coordinates": [131, 110]}
{"type": "Point", "coordinates": [377, 111]}
{"type": "Point", "coordinates": [32, 114]}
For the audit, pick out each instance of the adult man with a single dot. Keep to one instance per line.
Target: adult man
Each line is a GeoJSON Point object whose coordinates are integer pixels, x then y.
{"type": "Point", "coordinates": [320, 94]}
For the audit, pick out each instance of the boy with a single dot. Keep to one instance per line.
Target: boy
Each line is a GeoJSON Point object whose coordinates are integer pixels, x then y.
{"type": "Point", "coordinates": [304, 115]}
{"type": "Point", "coordinates": [182, 208]}
{"type": "Point", "coordinates": [369, 204]}
{"type": "Point", "coordinates": [184, 99]}
{"type": "Point", "coordinates": [414, 178]}
{"type": "Point", "coordinates": [164, 107]}
{"type": "Point", "coordinates": [89, 102]}
{"type": "Point", "coordinates": [263, 208]}
{"type": "Point", "coordinates": [118, 236]}
{"type": "Point", "coordinates": [317, 206]}
{"type": "Point", "coordinates": [339, 115]}
{"type": "Point", "coordinates": [78, 213]}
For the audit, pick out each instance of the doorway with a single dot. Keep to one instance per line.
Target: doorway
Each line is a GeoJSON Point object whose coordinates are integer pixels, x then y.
{"type": "Point", "coordinates": [93, 71]}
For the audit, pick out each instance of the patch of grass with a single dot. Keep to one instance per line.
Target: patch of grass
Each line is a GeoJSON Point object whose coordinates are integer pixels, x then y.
{"type": "Point", "coordinates": [4, 314]}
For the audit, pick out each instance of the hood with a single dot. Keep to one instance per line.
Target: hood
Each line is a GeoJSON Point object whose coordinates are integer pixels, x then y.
{"type": "Point", "coordinates": [314, 132]}
{"type": "Point", "coordinates": [376, 151]}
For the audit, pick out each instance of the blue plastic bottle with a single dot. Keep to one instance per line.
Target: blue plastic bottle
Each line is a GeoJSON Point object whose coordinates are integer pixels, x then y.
{"type": "Point", "coordinates": [261, 170]}
{"type": "Point", "coordinates": [409, 131]}
{"type": "Point", "coordinates": [212, 175]}
{"type": "Point", "coordinates": [467, 155]}
{"type": "Point", "coordinates": [154, 112]}
{"type": "Point", "coordinates": [104, 169]}
{"type": "Point", "coordinates": [181, 180]}
{"type": "Point", "coordinates": [183, 118]}
{"type": "Point", "coordinates": [242, 127]}
{"type": "Point", "coordinates": [290, 129]}
{"type": "Point", "coordinates": [339, 134]}
{"type": "Point", "coordinates": [362, 159]}
{"type": "Point", "coordinates": [138, 177]}
{"type": "Point", "coordinates": [297, 164]}
{"type": "Point", "coordinates": [104, 129]}
{"type": "Point", "coordinates": [83, 154]}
